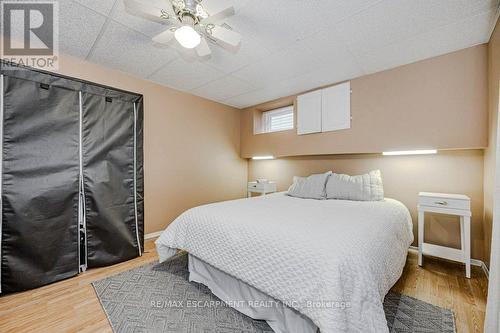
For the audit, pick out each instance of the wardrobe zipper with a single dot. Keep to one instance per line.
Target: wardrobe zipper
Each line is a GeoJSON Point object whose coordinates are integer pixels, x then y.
{"type": "Point", "coordinates": [135, 180]}
{"type": "Point", "coordinates": [1, 173]}
{"type": "Point", "coordinates": [82, 223]}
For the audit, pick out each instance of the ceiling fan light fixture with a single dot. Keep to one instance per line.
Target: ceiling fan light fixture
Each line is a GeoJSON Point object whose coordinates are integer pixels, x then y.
{"type": "Point", "coordinates": [192, 23]}
{"type": "Point", "coordinates": [187, 37]}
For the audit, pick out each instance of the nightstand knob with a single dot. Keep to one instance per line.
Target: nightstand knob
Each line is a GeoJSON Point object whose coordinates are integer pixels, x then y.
{"type": "Point", "coordinates": [442, 203]}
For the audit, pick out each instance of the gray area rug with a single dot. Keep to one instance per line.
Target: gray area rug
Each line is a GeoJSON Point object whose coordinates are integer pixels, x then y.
{"type": "Point", "coordinates": [159, 298]}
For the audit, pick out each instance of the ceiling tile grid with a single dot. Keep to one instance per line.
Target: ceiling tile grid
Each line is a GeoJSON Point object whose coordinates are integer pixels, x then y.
{"type": "Point", "coordinates": [250, 51]}
{"type": "Point", "coordinates": [392, 21]}
{"type": "Point", "coordinates": [276, 24]}
{"type": "Point", "coordinates": [447, 38]}
{"type": "Point", "coordinates": [101, 6]}
{"type": "Point", "coordinates": [471, 31]}
{"type": "Point", "coordinates": [183, 75]}
{"type": "Point", "coordinates": [74, 39]}
{"type": "Point", "coordinates": [223, 88]}
{"type": "Point", "coordinates": [288, 46]}
{"type": "Point", "coordinates": [396, 54]}
{"type": "Point", "coordinates": [139, 24]}
{"type": "Point", "coordinates": [127, 50]}
{"type": "Point", "coordinates": [282, 65]}
{"type": "Point", "coordinates": [251, 98]}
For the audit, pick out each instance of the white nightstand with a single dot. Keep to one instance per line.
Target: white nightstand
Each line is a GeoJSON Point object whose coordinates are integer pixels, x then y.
{"type": "Point", "coordinates": [263, 188]}
{"type": "Point", "coordinates": [451, 204]}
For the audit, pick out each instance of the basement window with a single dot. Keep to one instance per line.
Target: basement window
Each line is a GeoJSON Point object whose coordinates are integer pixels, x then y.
{"type": "Point", "coordinates": [277, 120]}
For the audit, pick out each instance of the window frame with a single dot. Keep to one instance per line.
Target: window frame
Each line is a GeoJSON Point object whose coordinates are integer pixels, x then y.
{"type": "Point", "coordinates": [268, 114]}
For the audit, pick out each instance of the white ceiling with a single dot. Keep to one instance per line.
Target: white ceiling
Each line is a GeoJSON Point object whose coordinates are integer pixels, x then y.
{"type": "Point", "coordinates": [289, 46]}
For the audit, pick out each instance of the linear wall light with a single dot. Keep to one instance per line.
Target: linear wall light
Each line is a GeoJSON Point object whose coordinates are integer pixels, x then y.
{"type": "Point", "coordinates": [257, 158]}
{"type": "Point", "coordinates": [410, 152]}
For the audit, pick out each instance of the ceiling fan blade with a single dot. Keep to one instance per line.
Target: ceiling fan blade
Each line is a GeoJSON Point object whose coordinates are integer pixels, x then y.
{"type": "Point", "coordinates": [225, 37]}
{"type": "Point", "coordinates": [164, 37]}
{"type": "Point", "coordinates": [203, 50]}
{"type": "Point", "coordinates": [218, 10]}
{"type": "Point", "coordinates": [144, 10]}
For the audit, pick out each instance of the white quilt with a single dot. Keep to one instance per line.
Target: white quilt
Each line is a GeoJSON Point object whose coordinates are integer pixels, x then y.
{"type": "Point", "coordinates": [331, 260]}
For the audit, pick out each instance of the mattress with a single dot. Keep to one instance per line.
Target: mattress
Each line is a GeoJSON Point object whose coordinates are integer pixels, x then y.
{"type": "Point", "coordinates": [332, 261]}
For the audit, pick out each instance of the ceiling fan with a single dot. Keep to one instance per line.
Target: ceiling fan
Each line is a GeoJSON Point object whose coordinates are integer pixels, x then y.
{"type": "Point", "coordinates": [193, 23]}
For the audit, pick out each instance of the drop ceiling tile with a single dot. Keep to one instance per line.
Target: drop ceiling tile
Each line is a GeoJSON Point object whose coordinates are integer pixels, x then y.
{"type": "Point", "coordinates": [139, 24]}
{"type": "Point", "coordinates": [223, 88]}
{"type": "Point", "coordinates": [279, 23]}
{"type": "Point", "coordinates": [183, 75]}
{"type": "Point", "coordinates": [433, 14]}
{"type": "Point", "coordinates": [463, 34]}
{"type": "Point", "coordinates": [78, 28]}
{"type": "Point", "coordinates": [250, 99]}
{"type": "Point", "coordinates": [129, 51]}
{"type": "Point", "coordinates": [268, 93]}
{"type": "Point", "coordinates": [335, 11]}
{"type": "Point", "coordinates": [369, 30]}
{"type": "Point", "coordinates": [250, 52]}
{"type": "Point", "coordinates": [396, 54]}
{"type": "Point", "coordinates": [328, 49]}
{"type": "Point", "coordinates": [285, 64]}
{"type": "Point", "coordinates": [317, 51]}
{"type": "Point", "coordinates": [101, 6]}
{"type": "Point", "coordinates": [232, 105]}
{"type": "Point", "coordinates": [326, 75]}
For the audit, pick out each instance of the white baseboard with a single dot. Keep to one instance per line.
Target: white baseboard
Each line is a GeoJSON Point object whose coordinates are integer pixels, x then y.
{"type": "Point", "coordinates": [153, 235]}
{"type": "Point", "coordinates": [473, 262]}
{"type": "Point", "coordinates": [483, 266]}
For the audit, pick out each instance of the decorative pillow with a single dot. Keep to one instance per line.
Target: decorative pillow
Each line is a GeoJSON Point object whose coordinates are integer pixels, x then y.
{"type": "Point", "coordinates": [312, 187]}
{"type": "Point", "coordinates": [366, 187]}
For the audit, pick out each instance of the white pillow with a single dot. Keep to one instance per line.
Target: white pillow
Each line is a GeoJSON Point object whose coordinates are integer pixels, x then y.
{"type": "Point", "coordinates": [367, 187]}
{"type": "Point", "coordinates": [312, 187]}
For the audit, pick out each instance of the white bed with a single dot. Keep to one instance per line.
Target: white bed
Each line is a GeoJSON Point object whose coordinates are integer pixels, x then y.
{"type": "Point", "coordinates": [331, 261]}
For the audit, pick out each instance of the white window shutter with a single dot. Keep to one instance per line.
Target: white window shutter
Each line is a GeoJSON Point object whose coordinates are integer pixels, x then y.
{"type": "Point", "coordinates": [336, 107]}
{"type": "Point", "coordinates": [309, 113]}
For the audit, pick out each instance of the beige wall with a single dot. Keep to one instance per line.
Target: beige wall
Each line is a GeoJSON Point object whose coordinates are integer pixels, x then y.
{"type": "Point", "coordinates": [489, 155]}
{"type": "Point", "coordinates": [403, 176]}
{"type": "Point", "coordinates": [191, 145]}
{"type": "Point", "coordinates": [439, 103]}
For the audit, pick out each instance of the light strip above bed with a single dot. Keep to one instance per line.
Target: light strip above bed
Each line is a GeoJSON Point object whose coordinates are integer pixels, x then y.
{"type": "Point", "coordinates": [410, 152]}
{"type": "Point", "coordinates": [258, 158]}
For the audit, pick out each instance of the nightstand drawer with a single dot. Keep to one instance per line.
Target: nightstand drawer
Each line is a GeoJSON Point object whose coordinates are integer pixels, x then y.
{"type": "Point", "coordinates": [442, 201]}
{"type": "Point", "coordinates": [262, 187]}
{"type": "Point", "coordinates": [254, 185]}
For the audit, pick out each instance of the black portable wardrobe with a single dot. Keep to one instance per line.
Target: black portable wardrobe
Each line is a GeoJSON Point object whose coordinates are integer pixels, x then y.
{"type": "Point", "coordinates": [71, 177]}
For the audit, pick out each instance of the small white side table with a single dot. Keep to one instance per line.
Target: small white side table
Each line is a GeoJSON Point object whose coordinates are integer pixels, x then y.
{"type": "Point", "coordinates": [451, 204]}
{"type": "Point", "coordinates": [263, 188]}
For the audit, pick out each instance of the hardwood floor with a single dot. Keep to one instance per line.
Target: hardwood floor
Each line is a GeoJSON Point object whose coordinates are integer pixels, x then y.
{"type": "Point", "coordinates": [72, 306]}
{"type": "Point", "coordinates": [444, 284]}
